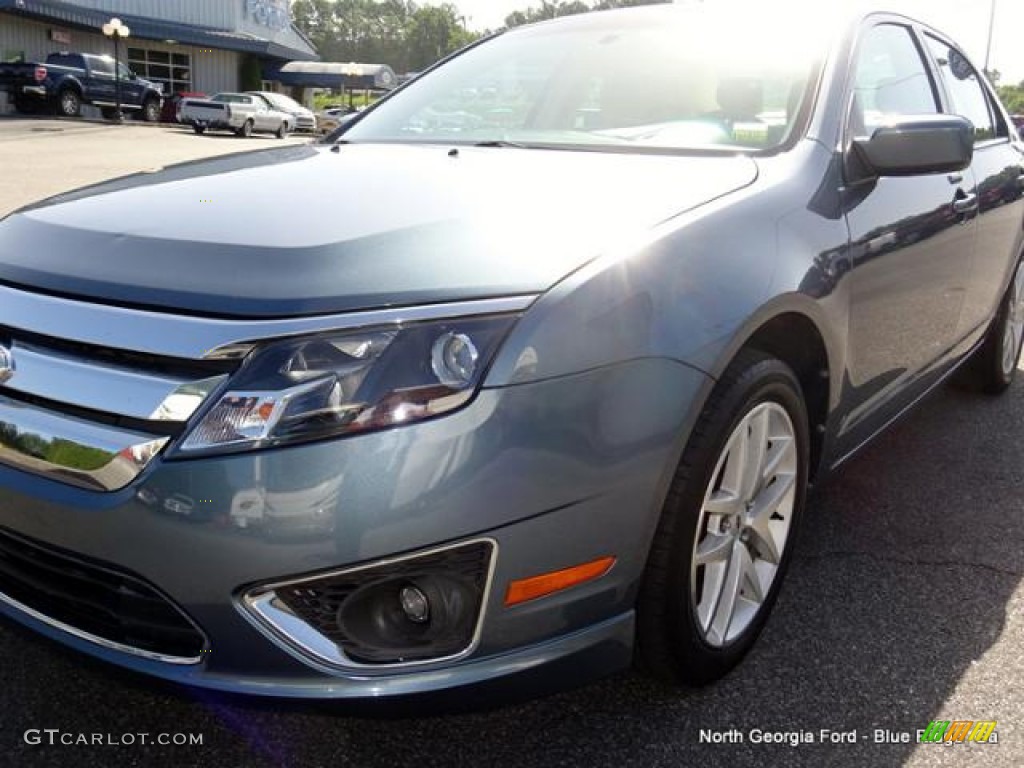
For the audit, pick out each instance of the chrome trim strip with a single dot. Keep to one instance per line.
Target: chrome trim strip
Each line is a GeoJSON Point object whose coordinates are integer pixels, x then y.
{"type": "Point", "coordinates": [279, 623]}
{"type": "Point", "coordinates": [112, 389]}
{"type": "Point", "coordinates": [95, 639]}
{"type": "Point", "coordinates": [70, 450]}
{"type": "Point", "coordinates": [195, 338]}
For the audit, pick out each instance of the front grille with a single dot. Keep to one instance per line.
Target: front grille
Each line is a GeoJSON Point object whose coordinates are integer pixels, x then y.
{"type": "Point", "coordinates": [94, 416]}
{"type": "Point", "coordinates": [97, 600]}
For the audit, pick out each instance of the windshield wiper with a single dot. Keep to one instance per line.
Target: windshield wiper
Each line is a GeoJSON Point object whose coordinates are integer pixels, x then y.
{"type": "Point", "coordinates": [500, 143]}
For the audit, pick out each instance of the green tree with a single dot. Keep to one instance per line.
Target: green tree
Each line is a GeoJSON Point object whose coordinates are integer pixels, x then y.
{"type": "Point", "coordinates": [550, 9]}
{"type": "Point", "coordinates": [434, 32]}
{"type": "Point", "coordinates": [1013, 97]}
{"type": "Point", "coordinates": [398, 33]}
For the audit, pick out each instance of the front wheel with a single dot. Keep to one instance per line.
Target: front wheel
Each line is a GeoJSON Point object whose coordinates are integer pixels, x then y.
{"type": "Point", "coordinates": [993, 367]}
{"type": "Point", "coordinates": [725, 537]}
{"type": "Point", "coordinates": [282, 131]}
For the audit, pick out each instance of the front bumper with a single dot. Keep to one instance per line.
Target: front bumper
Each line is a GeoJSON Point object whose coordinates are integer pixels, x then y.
{"type": "Point", "coordinates": [556, 473]}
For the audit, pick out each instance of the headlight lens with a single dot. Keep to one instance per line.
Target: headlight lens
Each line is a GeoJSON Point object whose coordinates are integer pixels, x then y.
{"type": "Point", "coordinates": [328, 385]}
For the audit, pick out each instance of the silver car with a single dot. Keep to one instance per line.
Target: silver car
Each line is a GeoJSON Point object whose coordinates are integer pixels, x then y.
{"type": "Point", "coordinates": [523, 375]}
{"type": "Point", "coordinates": [241, 113]}
{"type": "Point", "coordinates": [303, 119]}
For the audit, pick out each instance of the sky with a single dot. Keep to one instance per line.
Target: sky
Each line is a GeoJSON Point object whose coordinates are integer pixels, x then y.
{"type": "Point", "coordinates": [964, 20]}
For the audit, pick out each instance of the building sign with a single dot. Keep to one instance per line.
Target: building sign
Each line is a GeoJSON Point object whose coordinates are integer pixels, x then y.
{"type": "Point", "coordinates": [269, 13]}
{"type": "Point", "coordinates": [60, 36]}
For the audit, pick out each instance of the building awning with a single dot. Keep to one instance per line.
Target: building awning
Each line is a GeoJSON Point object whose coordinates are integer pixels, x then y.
{"type": "Point", "coordinates": [332, 74]}
{"type": "Point", "coordinates": [154, 29]}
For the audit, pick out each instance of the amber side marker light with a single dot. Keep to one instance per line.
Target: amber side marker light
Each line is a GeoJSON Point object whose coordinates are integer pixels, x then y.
{"type": "Point", "coordinates": [523, 590]}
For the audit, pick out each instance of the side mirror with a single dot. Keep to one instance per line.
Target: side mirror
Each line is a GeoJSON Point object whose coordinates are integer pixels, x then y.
{"type": "Point", "coordinates": [915, 145]}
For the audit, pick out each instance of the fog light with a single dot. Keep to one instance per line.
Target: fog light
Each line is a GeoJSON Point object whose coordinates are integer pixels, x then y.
{"type": "Point", "coordinates": [415, 605]}
{"type": "Point", "coordinates": [423, 607]}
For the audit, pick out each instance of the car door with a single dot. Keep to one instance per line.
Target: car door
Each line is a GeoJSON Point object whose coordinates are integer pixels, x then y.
{"type": "Point", "coordinates": [911, 243]}
{"type": "Point", "coordinates": [131, 89]}
{"type": "Point", "coordinates": [266, 117]}
{"type": "Point", "coordinates": [256, 110]}
{"type": "Point", "coordinates": [100, 74]}
{"type": "Point", "coordinates": [998, 173]}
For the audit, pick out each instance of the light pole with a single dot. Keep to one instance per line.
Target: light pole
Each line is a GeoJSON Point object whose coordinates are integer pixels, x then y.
{"type": "Point", "coordinates": [991, 29]}
{"type": "Point", "coordinates": [116, 29]}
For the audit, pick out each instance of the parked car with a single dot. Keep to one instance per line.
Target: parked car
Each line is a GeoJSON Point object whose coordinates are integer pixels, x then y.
{"type": "Point", "coordinates": [172, 106]}
{"type": "Point", "coordinates": [242, 113]}
{"type": "Point", "coordinates": [331, 119]}
{"type": "Point", "coordinates": [302, 118]}
{"type": "Point", "coordinates": [534, 396]}
{"type": "Point", "coordinates": [66, 81]}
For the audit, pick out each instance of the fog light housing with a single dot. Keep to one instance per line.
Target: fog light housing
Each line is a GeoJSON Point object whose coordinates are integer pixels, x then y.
{"type": "Point", "coordinates": [413, 610]}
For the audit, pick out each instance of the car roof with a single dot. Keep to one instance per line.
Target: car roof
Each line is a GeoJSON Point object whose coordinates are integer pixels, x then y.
{"type": "Point", "coordinates": [814, 16]}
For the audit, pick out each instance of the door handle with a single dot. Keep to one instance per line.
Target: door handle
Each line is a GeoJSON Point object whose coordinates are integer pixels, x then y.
{"type": "Point", "coordinates": [966, 204]}
{"type": "Point", "coordinates": [955, 178]}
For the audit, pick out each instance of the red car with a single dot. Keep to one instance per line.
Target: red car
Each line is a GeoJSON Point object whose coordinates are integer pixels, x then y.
{"type": "Point", "coordinates": [170, 109]}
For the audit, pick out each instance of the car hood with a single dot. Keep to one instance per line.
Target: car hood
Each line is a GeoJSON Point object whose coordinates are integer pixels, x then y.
{"type": "Point", "coordinates": [307, 230]}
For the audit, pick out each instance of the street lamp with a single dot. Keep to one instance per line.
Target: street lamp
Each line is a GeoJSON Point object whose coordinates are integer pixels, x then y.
{"type": "Point", "coordinates": [116, 29]}
{"type": "Point", "coordinates": [991, 29]}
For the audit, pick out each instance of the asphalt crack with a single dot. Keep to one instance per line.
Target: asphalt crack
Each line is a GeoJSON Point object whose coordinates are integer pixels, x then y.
{"type": "Point", "coordinates": [912, 561]}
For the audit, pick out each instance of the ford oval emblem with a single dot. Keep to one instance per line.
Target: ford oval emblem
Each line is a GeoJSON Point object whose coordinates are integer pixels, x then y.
{"type": "Point", "coordinates": [6, 364]}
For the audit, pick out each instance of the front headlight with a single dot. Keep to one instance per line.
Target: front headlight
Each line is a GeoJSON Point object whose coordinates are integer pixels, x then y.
{"type": "Point", "coordinates": [316, 387]}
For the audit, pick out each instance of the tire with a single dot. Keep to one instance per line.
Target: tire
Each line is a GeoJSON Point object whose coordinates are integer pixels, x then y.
{"type": "Point", "coordinates": [69, 103]}
{"type": "Point", "coordinates": [993, 366]}
{"type": "Point", "coordinates": [199, 129]}
{"type": "Point", "coordinates": [282, 131]}
{"type": "Point", "coordinates": [245, 131]}
{"type": "Point", "coordinates": [151, 111]}
{"type": "Point", "coordinates": [685, 634]}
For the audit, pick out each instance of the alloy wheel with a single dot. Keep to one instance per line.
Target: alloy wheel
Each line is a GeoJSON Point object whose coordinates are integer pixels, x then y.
{"type": "Point", "coordinates": [1013, 332]}
{"type": "Point", "coordinates": [744, 524]}
{"type": "Point", "coordinates": [69, 103]}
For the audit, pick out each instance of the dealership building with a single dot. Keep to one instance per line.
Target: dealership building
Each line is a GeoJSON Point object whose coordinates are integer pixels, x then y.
{"type": "Point", "coordinates": [185, 45]}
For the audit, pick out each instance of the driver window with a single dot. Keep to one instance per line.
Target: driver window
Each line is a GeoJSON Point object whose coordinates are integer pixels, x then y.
{"type": "Point", "coordinates": [890, 80]}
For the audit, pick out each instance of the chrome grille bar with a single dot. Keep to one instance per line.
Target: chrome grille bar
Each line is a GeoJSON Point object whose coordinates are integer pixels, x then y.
{"type": "Point", "coordinates": [199, 338]}
{"type": "Point", "coordinates": [97, 386]}
{"type": "Point", "coordinates": [70, 450]}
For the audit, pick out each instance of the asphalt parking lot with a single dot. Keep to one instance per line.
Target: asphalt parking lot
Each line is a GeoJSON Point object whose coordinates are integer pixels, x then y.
{"type": "Point", "coordinates": [905, 604]}
{"type": "Point", "coordinates": [40, 158]}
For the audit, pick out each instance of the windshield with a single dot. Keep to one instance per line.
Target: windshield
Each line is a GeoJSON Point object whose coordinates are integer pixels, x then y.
{"type": "Point", "coordinates": [281, 102]}
{"type": "Point", "coordinates": [665, 78]}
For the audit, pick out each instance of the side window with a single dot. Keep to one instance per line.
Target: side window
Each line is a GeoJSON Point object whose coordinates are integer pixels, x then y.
{"type": "Point", "coordinates": [890, 79]}
{"type": "Point", "coordinates": [102, 66]}
{"type": "Point", "coordinates": [965, 89]}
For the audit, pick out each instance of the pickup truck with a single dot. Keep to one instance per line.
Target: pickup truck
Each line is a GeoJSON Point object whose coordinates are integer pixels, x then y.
{"type": "Point", "coordinates": [243, 113]}
{"type": "Point", "coordinates": [66, 81]}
